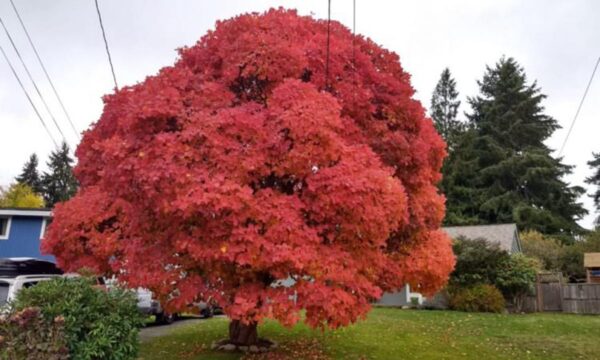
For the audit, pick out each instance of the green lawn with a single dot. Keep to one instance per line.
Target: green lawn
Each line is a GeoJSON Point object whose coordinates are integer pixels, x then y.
{"type": "Point", "coordinates": [404, 334]}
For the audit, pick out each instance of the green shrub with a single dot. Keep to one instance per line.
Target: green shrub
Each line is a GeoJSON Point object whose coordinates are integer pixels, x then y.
{"type": "Point", "coordinates": [27, 335]}
{"type": "Point", "coordinates": [516, 279]}
{"type": "Point", "coordinates": [99, 324]}
{"type": "Point", "coordinates": [477, 262]}
{"type": "Point", "coordinates": [478, 298]}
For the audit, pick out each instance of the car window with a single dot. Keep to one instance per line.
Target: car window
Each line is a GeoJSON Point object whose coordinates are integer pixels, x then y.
{"type": "Point", "coordinates": [4, 286]}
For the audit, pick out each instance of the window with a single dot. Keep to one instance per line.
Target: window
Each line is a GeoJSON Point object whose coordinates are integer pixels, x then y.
{"type": "Point", "coordinates": [4, 228]}
{"type": "Point", "coordinates": [4, 287]}
{"type": "Point", "coordinates": [43, 231]}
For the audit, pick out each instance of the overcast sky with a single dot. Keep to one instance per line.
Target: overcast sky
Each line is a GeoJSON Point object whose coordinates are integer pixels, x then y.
{"type": "Point", "coordinates": [556, 41]}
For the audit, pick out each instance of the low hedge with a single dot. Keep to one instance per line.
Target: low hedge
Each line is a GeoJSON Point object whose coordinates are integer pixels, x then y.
{"type": "Point", "coordinates": [27, 335]}
{"type": "Point", "coordinates": [478, 298]}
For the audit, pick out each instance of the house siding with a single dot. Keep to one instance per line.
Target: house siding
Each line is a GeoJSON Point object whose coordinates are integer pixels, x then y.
{"type": "Point", "coordinates": [24, 238]}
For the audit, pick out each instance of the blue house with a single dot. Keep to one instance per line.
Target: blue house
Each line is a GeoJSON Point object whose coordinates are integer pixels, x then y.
{"type": "Point", "coordinates": [21, 231]}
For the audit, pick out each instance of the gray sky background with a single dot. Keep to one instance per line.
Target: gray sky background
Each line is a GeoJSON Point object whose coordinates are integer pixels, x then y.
{"type": "Point", "coordinates": [556, 41]}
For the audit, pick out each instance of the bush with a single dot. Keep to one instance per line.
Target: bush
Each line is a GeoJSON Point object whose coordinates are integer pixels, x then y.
{"type": "Point", "coordinates": [27, 335]}
{"type": "Point", "coordinates": [477, 262]}
{"type": "Point", "coordinates": [99, 324]}
{"type": "Point", "coordinates": [516, 278]}
{"type": "Point", "coordinates": [478, 298]}
{"type": "Point", "coordinates": [545, 248]}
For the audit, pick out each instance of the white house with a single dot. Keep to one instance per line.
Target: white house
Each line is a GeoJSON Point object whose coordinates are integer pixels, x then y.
{"type": "Point", "coordinates": [505, 235]}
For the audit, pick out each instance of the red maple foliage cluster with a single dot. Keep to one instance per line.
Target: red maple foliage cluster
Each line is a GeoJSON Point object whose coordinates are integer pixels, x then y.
{"type": "Point", "coordinates": [247, 163]}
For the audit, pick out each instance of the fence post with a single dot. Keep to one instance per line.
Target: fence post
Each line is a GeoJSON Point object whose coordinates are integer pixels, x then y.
{"type": "Point", "coordinates": [562, 297]}
{"type": "Point", "coordinates": [538, 288]}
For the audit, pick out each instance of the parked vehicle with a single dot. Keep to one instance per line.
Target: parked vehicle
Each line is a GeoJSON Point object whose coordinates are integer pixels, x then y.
{"type": "Point", "coordinates": [10, 286]}
{"type": "Point", "coordinates": [150, 306]}
{"type": "Point", "coordinates": [209, 308]}
{"type": "Point", "coordinates": [21, 273]}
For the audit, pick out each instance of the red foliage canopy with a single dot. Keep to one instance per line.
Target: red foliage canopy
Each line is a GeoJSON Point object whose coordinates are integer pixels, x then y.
{"type": "Point", "coordinates": [238, 167]}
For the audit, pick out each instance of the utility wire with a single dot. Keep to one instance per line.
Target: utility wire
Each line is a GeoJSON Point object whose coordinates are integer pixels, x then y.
{"type": "Point", "coordinates": [28, 97]}
{"type": "Point", "coordinates": [32, 80]}
{"type": "Point", "coordinates": [44, 69]}
{"type": "Point", "coordinates": [579, 108]}
{"type": "Point", "coordinates": [353, 31]}
{"type": "Point", "coordinates": [327, 86]}
{"type": "Point", "coordinates": [112, 69]}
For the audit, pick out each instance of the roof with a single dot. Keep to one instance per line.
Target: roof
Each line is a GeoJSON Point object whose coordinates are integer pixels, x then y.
{"type": "Point", "coordinates": [43, 212]}
{"type": "Point", "coordinates": [591, 260]}
{"type": "Point", "coordinates": [501, 234]}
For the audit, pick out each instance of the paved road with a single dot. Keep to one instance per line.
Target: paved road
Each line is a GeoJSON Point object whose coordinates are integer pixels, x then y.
{"type": "Point", "coordinates": [152, 331]}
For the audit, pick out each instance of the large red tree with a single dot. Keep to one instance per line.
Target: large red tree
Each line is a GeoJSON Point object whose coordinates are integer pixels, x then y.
{"type": "Point", "coordinates": [256, 159]}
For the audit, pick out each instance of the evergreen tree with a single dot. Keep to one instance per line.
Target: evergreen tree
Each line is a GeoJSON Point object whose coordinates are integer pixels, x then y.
{"type": "Point", "coordinates": [444, 108]}
{"type": "Point", "coordinates": [30, 176]}
{"type": "Point", "coordinates": [595, 180]}
{"type": "Point", "coordinates": [59, 184]}
{"type": "Point", "coordinates": [460, 182]}
{"type": "Point", "coordinates": [506, 168]}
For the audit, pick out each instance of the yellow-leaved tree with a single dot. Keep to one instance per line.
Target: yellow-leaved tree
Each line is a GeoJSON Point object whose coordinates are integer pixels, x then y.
{"type": "Point", "coordinates": [20, 196]}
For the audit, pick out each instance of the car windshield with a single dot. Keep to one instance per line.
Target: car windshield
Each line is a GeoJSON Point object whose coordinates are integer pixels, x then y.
{"type": "Point", "coordinates": [4, 286]}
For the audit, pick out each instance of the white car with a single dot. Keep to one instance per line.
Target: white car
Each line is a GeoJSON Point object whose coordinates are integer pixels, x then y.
{"type": "Point", "coordinates": [10, 286]}
{"type": "Point", "coordinates": [149, 306]}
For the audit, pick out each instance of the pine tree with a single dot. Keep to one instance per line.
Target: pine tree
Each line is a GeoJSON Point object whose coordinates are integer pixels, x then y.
{"type": "Point", "coordinates": [30, 176]}
{"type": "Point", "coordinates": [595, 180]}
{"type": "Point", "coordinates": [444, 108]}
{"type": "Point", "coordinates": [511, 175]}
{"type": "Point", "coordinates": [59, 184]}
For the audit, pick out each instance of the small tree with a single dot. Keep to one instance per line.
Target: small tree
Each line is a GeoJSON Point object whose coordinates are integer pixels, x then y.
{"type": "Point", "coordinates": [595, 180]}
{"type": "Point", "coordinates": [571, 259]}
{"type": "Point", "coordinates": [544, 248]}
{"type": "Point", "coordinates": [59, 183]}
{"type": "Point", "coordinates": [20, 196]}
{"type": "Point", "coordinates": [30, 176]}
{"type": "Point", "coordinates": [516, 277]}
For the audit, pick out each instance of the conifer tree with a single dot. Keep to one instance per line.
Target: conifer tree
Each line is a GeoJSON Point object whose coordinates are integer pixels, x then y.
{"type": "Point", "coordinates": [511, 175]}
{"type": "Point", "coordinates": [29, 175]}
{"type": "Point", "coordinates": [59, 183]}
{"type": "Point", "coordinates": [444, 108]}
{"type": "Point", "coordinates": [595, 180]}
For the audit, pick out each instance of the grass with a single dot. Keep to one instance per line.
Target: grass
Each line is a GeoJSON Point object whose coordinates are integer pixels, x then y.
{"type": "Point", "coordinates": [403, 334]}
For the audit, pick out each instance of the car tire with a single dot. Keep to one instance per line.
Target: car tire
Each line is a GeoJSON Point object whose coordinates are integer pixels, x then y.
{"type": "Point", "coordinates": [165, 319]}
{"type": "Point", "coordinates": [207, 313]}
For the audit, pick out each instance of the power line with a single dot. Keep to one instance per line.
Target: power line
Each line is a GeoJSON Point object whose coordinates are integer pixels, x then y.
{"type": "Point", "coordinates": [28, 97]}
{"type": "Point", "coordinates": [44, 69]}
{"type": "Point", "coordinates": [579, 108]}
{"type": "Point", "coordinates": [32, 80]}
{"type": "Point", "coordinates": [112, 69]}
{"type": "Point", "coordinates": [327, 87]}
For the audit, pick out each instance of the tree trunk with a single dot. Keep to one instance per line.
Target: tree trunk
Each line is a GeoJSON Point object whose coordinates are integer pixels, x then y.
{"type": "Point", "coordinates": [242, 334]}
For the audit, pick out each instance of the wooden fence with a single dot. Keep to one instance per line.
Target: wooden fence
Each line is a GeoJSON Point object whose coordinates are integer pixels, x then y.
{"type": "Point", "coordinates": [581, 298]}
{"type": "Point", "coordinates": [551, 294]}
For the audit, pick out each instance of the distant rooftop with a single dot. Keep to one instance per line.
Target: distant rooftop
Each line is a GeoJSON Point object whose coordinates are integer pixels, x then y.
{"type": "Point", "coordinates": [45, 212]}
{"type": "Point", "coordinates": [505, 235]}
